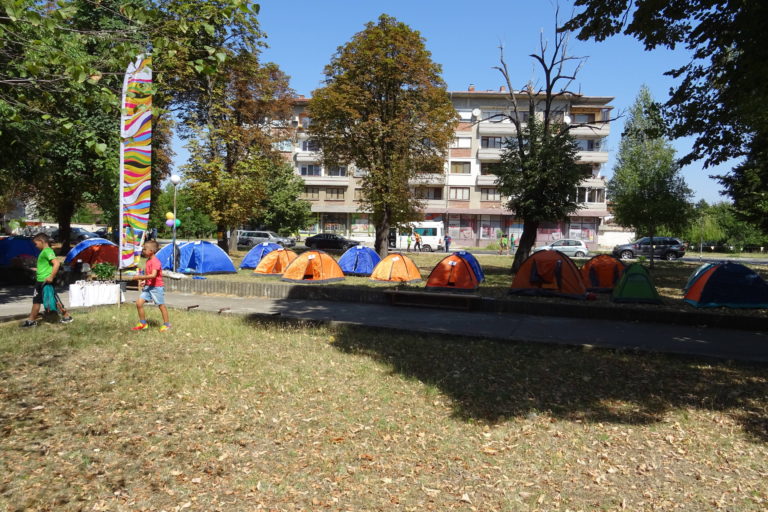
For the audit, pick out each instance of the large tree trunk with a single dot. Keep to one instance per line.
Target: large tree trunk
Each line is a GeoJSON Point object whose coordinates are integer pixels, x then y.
{"type": "Point", "coordinates": [224, 240]}
{"type": "Point", "coordinates": [381, 245]}
{"type": "Point", "coordinates": [64, 213]}
{"type": "Point", "coordinates": [525, 244]}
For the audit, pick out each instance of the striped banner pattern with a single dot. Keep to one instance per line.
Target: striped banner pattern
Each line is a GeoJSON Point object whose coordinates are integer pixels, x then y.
{"type": "Point", "coordinates": [135, 159]}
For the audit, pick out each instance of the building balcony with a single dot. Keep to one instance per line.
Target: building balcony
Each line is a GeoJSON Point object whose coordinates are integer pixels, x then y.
{"type": "Point", "coordinates": [429, 178]}
{"type": "Point", "coordinates": [593, 131]}
{"type": "Point", "coordinates": [328, 181]}
{"type": "Point", "coordinates": [497, 129]}
{"type": "Point", "coordinates": [486, 180]}
{"type": "Point", "coordinates": [593, 183]}
{"type": "Point", "coordinates": [592, 157]}
{"type": "Point", "coordinates": [489, 154]}
{"type": "Point", "coordinates": [307, 157]}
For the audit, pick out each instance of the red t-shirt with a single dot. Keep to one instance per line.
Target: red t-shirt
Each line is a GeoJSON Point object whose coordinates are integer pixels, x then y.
{"type": "Point", "coordinates": [154, 264]}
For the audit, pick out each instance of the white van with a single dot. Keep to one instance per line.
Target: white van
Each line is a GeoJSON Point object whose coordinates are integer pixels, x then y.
{"type": "Point", "coordinates": [431, 232]}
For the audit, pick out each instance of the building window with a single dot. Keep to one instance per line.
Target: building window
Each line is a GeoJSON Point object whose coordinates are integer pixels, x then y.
{"type": "Point", "coordinates": [306, 121]}
{"type": "Point", "coordinates": [337, 170]}
{"type": "Point", "coordinates": [361, 171]}
{"type": "Point", "coordinates": [285, 146]}
{"type": "Point", "coordinates": [492, 142]}
{"type": "Point", "coordinates": [465, 115]}
{"type": "Point", "coordinates": [461, 167]}
{"type": "Point", "coordinates": [461, 142]}
{"type": "Point", "coordinates": [494, 116]}
{"type": "Point", "coordinates": [358, 194]}
{"type": "Point", "coordinates": [334, 194]}
{"type": "Point", "coordinates": [310, 170]}
{"type": "Point", "coordinates": [588, 144]}
{"type": "Point", "coordinates": [489, 194]}
{"type": "Point", "coordinates": [488, 168]}
{"type": "Point", "coordinates": [429, 193]}
{"type": "Point", "coordinates": [459, 193]}
{"type": "Point", "coordinates": [310, 145]}
{"type": "Point", "coordinates": [583, 118]}
{"type": "Point", "coordinates": [590, 195]}
{"type": "Point", "coordinates": [490, 227]}
{"type": "Point", "coordinates": [311, 193]}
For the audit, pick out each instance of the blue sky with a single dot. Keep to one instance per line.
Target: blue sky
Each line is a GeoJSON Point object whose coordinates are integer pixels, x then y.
{"type": "Point", "coordinates": [464, 38]}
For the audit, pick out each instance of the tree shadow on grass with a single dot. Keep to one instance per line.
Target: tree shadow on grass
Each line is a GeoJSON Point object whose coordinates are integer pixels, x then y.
{"type": "Point", "coordinates": [494, 381]}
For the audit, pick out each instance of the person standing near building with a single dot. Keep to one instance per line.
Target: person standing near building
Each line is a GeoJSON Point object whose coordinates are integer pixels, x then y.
{"type": "Point", "coordinates": [417, 245]}
{"type": "Point", "coordinates": [408, 242]}
{"type": "Point", "coordinates": [504, 244]}
{"type": "Point", "coordinates": [511, 243]}
{"type": "Point", "coordinates": [447, 241]}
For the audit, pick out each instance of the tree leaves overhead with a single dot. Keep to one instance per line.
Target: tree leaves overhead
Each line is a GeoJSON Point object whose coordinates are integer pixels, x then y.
{"type": "Point", "coordinates": [384, 108]}
{"type": "Point", "coordinates": [723, 90]}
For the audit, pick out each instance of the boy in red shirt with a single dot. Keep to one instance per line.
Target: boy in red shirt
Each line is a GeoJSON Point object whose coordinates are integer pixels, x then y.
{"type": "Point", "coordinates": [151, 284]}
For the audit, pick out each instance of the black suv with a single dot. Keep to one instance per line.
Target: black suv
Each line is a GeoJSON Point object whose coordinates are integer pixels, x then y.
{"type": "Point", "coordinates": [664, 247]}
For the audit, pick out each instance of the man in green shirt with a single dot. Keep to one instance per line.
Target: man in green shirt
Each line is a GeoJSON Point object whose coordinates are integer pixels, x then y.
{"type": "Point", "coordinates": [47, 268]}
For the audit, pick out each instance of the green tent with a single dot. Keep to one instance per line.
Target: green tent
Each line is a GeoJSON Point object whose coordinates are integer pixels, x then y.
{"type": "Point", "coordinates": [636, 285]}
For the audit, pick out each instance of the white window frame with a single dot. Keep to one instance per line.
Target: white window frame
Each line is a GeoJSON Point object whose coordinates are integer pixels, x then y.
{"type": "Point", "coordinates": [453, 192]}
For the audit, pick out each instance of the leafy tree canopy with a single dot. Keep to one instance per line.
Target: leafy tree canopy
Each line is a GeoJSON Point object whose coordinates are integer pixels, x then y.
{"type": "Point", "coordinates": [384, 107]}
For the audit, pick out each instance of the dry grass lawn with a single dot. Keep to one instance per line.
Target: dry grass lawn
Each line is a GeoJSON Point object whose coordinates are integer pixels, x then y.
{"type": "Point", "coordinates": [225, 414]}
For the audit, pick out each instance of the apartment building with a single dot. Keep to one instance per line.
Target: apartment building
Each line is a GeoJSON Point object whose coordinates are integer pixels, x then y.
{"type": "Point", "coordinates": [464, 196]}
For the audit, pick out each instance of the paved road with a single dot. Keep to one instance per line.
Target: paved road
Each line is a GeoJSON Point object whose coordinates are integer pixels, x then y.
{"type": "Point", "coordinates": [649, 337]}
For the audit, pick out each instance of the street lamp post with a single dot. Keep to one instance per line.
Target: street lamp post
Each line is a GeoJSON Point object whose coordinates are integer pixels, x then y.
{"type": "Point", "coordinates": [175, 179]}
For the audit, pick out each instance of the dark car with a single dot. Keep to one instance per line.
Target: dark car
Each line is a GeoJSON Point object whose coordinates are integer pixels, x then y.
{"type": "Point", "coordinates": [664, 247]}
{"type": "Point", "coordinates": [329, 241]}
{"type": "Point", "coordinates": [76, 235]}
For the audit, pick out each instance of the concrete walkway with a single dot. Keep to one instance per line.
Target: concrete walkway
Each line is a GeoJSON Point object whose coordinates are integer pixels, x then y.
{"type": "Point", "coordinates": [646, 336]}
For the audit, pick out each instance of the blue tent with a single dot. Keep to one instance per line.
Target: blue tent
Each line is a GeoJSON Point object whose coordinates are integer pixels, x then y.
{"type": "Point", "coordinates": [14, 246]}
{"type": "Point", "coordinates": [197, 258]}
{"type": "Point", "coordinates": [726, 284]}
{"type": "Point", "coordinates": [258, 251]}
{"type": "Point", "coordinates": [92, 242]}
{"type": "Point", "coordinates": [473, 263]}
{"type": "Point", "coordinates": [359, 261]}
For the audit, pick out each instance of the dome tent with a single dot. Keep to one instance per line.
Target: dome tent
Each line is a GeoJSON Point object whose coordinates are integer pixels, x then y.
{"type": "Point", "coordinates": [275, 262]}
{"type": "Point", "coordinates": [476, 267]}
{"type": "Point", "coordinates": [359, 261]}
{"type": "Point", "coordinates": [93, 251]}
{"type": "Point", "coordinates": [636, 286]}
{"type": "Point", "coordinates": [726, 284]}
{"type": "Point", "coordinates": [549, 273]}
{"type": "Point", "coordinates": [313, 267]}
{"type": "Point", "coordinates": [257, 252]}
{"type": "Point", "coordinates": [201, 257]}
{"type": "Point", "coordinates": [601, 273]}
{"type": "Point", "coordinates": [453, 272]}
{"type": "Point", "coordinates": [15, 246]}
{"type": "Point", "coordinates": [396, 267]}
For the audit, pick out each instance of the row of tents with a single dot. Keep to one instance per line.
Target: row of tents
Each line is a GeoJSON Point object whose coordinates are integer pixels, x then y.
{"type": "Point", "coordinates": [547, 273]}
{"type": "Point", "coordinates": [724, 284]}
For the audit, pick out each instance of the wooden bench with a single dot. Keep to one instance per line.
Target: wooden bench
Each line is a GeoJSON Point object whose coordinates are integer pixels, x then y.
{"type": "Point", "coordinates": [464, 301]}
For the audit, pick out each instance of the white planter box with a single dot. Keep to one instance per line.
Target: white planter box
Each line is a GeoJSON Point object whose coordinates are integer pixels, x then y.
{"type": "Point", "coordinates": [84, 294]}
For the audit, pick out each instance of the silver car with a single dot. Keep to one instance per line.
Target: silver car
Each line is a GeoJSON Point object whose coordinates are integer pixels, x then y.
{"type": "Point", "coordinates": [251, 238]}
{"type": "Point", "coordinates": [569, 247]}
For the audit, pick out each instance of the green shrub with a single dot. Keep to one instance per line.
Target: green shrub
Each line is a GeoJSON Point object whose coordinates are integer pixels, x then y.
{"type": "Point", "coordinates": [104, 271]}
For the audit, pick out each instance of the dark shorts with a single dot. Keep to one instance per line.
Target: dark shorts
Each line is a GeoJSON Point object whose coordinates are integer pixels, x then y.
{"type": "Point", "coordinates": [37, 294]}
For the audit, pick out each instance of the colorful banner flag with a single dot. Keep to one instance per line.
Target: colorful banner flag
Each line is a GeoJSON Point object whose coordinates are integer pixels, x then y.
{"type": "Point", "coordinates": [135, 159]}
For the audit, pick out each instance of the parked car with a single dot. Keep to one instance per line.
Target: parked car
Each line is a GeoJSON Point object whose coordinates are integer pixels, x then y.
{"type": "Point", "coordinates": [664, 247]}
{"type": "Point", "coordinates": [329, 241]}
{"type": "Point", "coordinates": [569, 247]}
{"type": "Point", "coordinates": [76, 235]}
{"type": "Point", "coordinates": [251, 238]}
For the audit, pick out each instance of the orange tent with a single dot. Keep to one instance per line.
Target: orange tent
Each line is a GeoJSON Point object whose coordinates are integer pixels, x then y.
{"type": "Point", "coordinates": [396, 268]}
{"type": "Point", "coordinates": [549, 273]}
{"type": "Point", "coordinates": [601, 273]}
{"type": "Point", "coordinates": [313, 267]}
{"type": "Point", "coordinates": [275, 262]}
{"type": "Point", "coordinates": [452, 273]}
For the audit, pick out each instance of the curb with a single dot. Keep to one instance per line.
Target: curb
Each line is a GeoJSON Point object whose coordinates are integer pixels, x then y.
{"type": "Point", "coordinates": [341, 293]}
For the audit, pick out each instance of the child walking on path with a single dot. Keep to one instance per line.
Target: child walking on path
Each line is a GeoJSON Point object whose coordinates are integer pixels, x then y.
{"type": "Point", "coordinates": [151, 284]}
{"type": "Point", "coordinates": [47, 268]}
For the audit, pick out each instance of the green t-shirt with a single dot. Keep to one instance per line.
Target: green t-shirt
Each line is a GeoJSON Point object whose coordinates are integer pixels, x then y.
{"type": "Point", "coordinates": [44, 264]}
